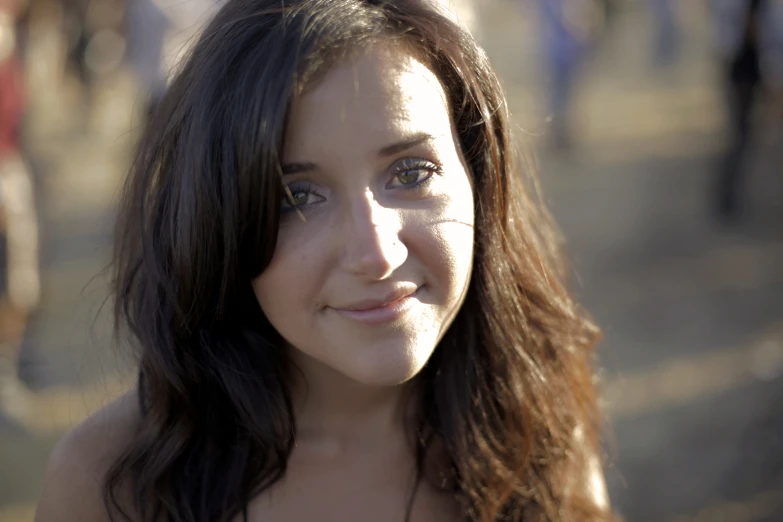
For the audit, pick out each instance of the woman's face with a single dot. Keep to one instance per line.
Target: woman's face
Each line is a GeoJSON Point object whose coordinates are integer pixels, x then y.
{"type": "Point", "coordinates": [376, 233]}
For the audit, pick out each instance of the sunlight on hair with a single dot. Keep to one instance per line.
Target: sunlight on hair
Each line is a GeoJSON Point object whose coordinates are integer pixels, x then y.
{"type": "Point", "coordinates": [291, 201]}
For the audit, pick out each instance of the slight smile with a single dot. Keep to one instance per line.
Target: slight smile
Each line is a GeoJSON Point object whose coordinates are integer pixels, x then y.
{"type": "Point", "coordinates": [381, 311]}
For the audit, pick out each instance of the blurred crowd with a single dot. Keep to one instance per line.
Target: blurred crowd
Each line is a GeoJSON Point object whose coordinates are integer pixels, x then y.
{"type": "Point", "coordinates": [97, 37]}
{"type": "Point", "coordinates": [94, 39]}
{"type": "Point", "coordinates": [748, 48]}
{"type": "Point", "coordinates": [662, 283]}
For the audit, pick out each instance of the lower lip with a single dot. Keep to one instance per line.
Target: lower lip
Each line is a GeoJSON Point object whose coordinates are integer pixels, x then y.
{"type": "Point", "coordinates": [382, 314]}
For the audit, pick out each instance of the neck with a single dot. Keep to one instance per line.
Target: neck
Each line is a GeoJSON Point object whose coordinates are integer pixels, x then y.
{"type": "Point", "coordinates": [334, 409]}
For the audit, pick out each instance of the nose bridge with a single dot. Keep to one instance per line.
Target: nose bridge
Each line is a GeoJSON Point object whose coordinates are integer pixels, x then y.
{"type": "Point", "coordinates": [366, 210]}
{"type": "Point", "coordinates": [372, 241]}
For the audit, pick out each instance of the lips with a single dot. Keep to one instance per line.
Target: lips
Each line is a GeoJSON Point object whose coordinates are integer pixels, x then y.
{"type": "Point", "coordinates": [388, 309]}
{"type": "Point", "coordinates": [387, 300]}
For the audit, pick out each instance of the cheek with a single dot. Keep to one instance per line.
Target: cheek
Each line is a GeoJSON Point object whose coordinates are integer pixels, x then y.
{"type": "Point", "coordinates": [447, 243]}
{"type": "Point", "coordinates": [289, 282]}
{"type": "Point", "coordinates": [268, 289]}
{"type": "Point", "coordinates": [453, 254]}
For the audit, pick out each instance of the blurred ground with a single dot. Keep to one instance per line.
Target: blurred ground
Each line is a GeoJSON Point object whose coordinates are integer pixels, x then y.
{"type": "Point", "coordinates": [692, 309]}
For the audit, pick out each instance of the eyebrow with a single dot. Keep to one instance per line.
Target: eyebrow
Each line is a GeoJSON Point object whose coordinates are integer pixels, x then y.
{"type": "Point", "coordinates": [407, 143]}
{"type": "Point", "coordinates": [296, 168]}
{"type": "Point", "coordinates": [389, 150]}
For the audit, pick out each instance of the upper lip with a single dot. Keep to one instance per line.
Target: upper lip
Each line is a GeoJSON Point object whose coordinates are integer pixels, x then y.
{"type": "Point", "coordinates": [368, 304]}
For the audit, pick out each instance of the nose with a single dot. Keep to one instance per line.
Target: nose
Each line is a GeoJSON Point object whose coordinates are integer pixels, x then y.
{"type": "Point", "coordinates": [372, 245]}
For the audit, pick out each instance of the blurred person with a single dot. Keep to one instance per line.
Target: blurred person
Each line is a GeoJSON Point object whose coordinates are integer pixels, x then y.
{"type": "Point", "coordinates": [19, 270]}
{"type": "Point", "coordinates": [609, 9]}
{"type": "Point", "coordinates": [76, 29]}
{"type": "Point", "coordinates": [146, 27]}
{"type": "Point", "coordinates": [667, 32]}
{"type": "Point", "coordinates": [95, 42]}
{"type": "Point", "coordinates": [750, 41]}
{"type": "Point", "coordinates": [160, 33]}
{"type": "Point", "coordinates": [346, 303]}
{"type": "Point", "coordinates": [568, 28]}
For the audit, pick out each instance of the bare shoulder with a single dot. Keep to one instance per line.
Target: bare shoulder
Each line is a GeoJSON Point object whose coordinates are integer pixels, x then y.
{"type": "Point", "coordinates": [73, 487]}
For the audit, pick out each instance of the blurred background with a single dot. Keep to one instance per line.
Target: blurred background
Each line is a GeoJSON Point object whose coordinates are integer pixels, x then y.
{"type": "Point", "coordinates": [656, 127]}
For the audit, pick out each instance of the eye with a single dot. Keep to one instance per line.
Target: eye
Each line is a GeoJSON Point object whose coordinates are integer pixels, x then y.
{"type": "Point", "coordinates": [412, 176]}
{"type": "Point", "coordinates": [298, 196]}
{"type": "Point", "coordinates": [413, 173]}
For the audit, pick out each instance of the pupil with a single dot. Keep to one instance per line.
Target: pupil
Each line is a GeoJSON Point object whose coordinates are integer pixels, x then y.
{"type": "Point", "coordinates": [409, 176]}
{"type": "Point", "coordinates": [297, 198]}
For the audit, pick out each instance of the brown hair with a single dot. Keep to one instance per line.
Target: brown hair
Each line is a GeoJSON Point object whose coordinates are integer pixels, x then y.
{"type": "Point", "coordinates": [508, 393]}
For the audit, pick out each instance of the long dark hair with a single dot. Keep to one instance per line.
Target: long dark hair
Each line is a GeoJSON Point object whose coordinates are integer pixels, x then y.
{"type": "Point", "coordinates": [508, 393]}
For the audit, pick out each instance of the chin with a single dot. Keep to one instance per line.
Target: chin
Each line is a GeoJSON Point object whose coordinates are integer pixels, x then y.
{"type": "Point", "coordinates": [387, 365]}
{"type": "Point", "coordinates": [383, 377]}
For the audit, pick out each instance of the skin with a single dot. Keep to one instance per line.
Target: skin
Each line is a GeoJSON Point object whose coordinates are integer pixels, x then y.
{"type": "Point", "coordinates": [364, 237]}
{"type": "Point", "coordinates": [372, 220]}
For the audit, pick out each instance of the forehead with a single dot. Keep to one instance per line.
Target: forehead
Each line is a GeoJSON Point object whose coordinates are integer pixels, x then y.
{"type": "Point", "coordinates": [368, 100]}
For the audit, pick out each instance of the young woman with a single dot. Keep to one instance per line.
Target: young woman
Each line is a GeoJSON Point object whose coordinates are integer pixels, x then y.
{"type": "Point", "coordinates": [347, 306]}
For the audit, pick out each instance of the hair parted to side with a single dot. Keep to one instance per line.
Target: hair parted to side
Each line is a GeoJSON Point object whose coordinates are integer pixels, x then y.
{"type": "Point", "coordinates": [509, 391]}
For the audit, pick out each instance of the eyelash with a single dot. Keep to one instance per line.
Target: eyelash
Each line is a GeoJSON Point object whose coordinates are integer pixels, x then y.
{"type": "Point", "coordinates": [413, 165]}
{"type": "Point", "coordinates": [295, 188]}
{"type": "Point", "coordinates": [406, 166]}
